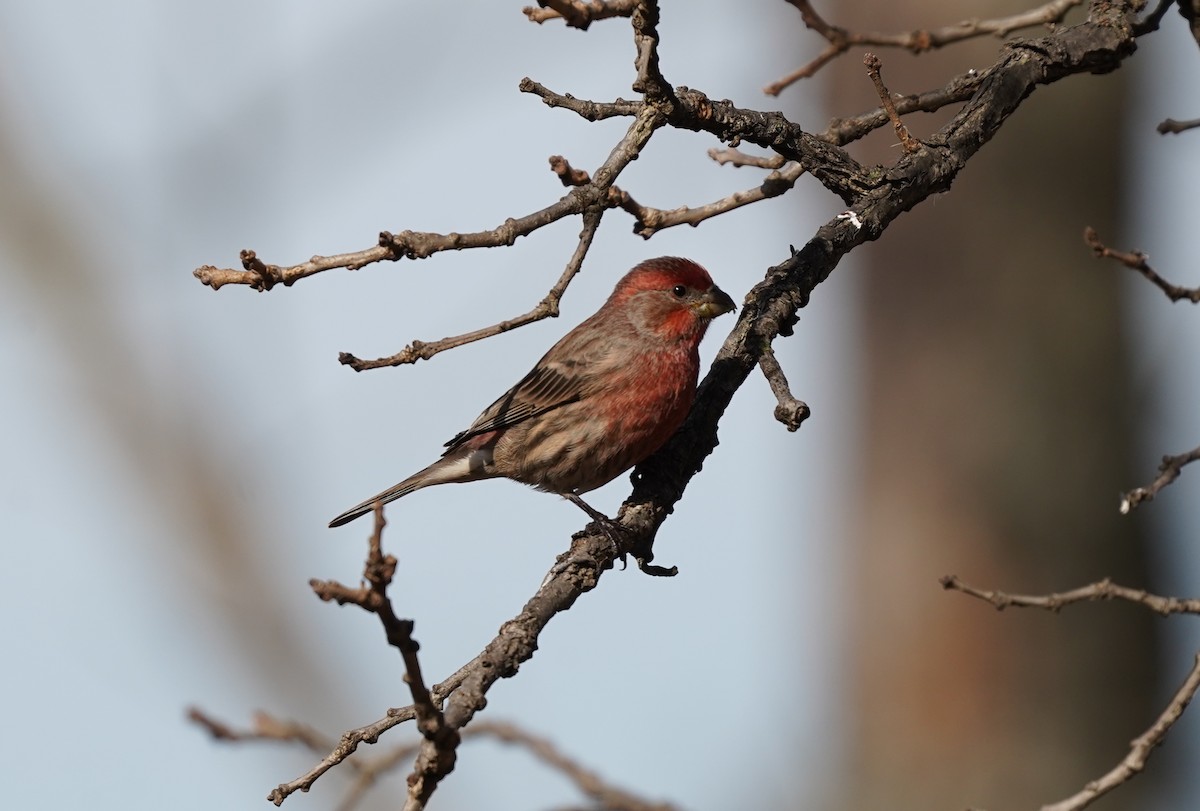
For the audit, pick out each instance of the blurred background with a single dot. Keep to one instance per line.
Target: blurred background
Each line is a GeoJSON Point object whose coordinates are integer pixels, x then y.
{"type": "Point", "coordinates": [982, 389]}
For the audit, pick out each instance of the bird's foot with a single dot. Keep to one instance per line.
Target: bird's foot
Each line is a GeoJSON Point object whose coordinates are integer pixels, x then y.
{"type": "Point", "coordinates": [624, 541]}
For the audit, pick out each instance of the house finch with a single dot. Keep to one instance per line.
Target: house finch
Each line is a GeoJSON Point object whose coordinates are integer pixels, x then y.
{"type": "Point", "coordinates": [605, 397]}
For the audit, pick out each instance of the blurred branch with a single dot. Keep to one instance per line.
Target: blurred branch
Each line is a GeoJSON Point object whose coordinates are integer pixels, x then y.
{"type": "Point", "coordinates": [840, 40]}
{"type": "Point", "coordinates": [1143, 745]}
{"type": "Point", "coordinates": [1168, 471]}
{"type": "Point", "coordinates": [1139, 750]}
{"type": "Point", "coordinates": [1171, 126]}
{"type": "Point", "coordinates": [1093, 592]}
{"type": "Point", "coordinates": [267, 728]}
{"type": "Point", "coordinates": [1140, 262]}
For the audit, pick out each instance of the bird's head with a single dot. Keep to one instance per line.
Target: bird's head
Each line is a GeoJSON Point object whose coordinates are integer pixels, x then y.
{"type": "Point", "coordinates": [671, 298]}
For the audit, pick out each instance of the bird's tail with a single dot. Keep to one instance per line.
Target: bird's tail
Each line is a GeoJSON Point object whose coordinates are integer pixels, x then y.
{"type": "Point", "coordinates": [387, 496]}
{"type": "Point", "coordinates": [464, 465]}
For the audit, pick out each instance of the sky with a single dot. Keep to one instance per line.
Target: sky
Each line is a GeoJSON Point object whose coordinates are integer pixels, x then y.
{"type": "Point", "coordinates": [175, 453]}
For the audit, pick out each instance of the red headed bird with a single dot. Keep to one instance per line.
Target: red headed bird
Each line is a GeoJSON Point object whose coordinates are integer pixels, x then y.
{"type": "Point", "coordinates": [604, 398]}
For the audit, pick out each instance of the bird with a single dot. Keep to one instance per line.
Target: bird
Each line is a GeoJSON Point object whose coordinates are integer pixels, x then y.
{"type": "Point", "coordinates": [610, 393]}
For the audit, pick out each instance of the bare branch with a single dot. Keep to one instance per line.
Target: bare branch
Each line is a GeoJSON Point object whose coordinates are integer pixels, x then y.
{"type": "Point", "coordinates": [437, 753]}
{"type": "Point", "coordinates": [1168, 471]}
{"type": "Point", "coordinates": [1139, 750]}
{"type": "Point", "coordinates": [739, 158]}
{"type": "Point", "coordinates": [575, 572]}
{"type": "Point", "coordinates": [262, 277]}
{"type": "Point", "coordinates": [605, 795]}
{"type": "Point", "coordinates": [840, 40]}
{"type": "Point", "coordinates": [1171, 126]}
{"type": "Point", "coordinates": [423, 244]}
{"type": "Point", "coordinates": [1139, 261]}
{"type": "Point", "coordinates": [268, 728]}
{"type": "Point", "coordinates": [1152, 20]}
{"type": "Point", "coordinates": [546, 308]}
{"type": "Point", "coordinates": [596, 197]}
{"type": "Point", "coordinates": [842, 131]}
{"type": "Point", "coordinates": [649, 80]}
{"type": "Point", "coordinates": [1100, 590]}
{"type": "Point", "coordinates": [692, 110]}
{"type": "Point", "coordinates": [874, 66]}
{"type": "Point", "coordinates": [790, 411]}
{"type": "Point", "coordinates": [589, 110]}
{"type": "Point", "coordinates": [578, 13]}
{"type": "Point", "coordinates": [569, 175]}
{"type": "Point", "coordinates": [649, 221]}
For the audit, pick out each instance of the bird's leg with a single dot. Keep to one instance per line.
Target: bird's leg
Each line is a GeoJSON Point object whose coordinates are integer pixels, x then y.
{"type": "Point", "coordinates": [611, 529]}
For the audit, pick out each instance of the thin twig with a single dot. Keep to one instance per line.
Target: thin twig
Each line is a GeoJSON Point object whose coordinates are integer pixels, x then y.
{"type": "Point", "coordinates": [568, 174]}
{"type": "Point", "coordinates": [268, 728]}
{"type": "Point", "coordinates": [1140, 262]}
{"type": "Point", "coordinates": [693, 110]}
{"type": "Point", "coordinates": [574, 573]}
{"type": "Point", "coordinates": [548, 307]}
{"type": "Point", "coordinates": [1168, 471]}
{"type": "Point", "coordinates": [1100, 590]}
{"type": "Point", "coordinates": [592, 785]}
{"type": "Point", "coordinates": [737, 157]}
{"type": "Point", "coordinates": [840, 40]}
{"type": "Point", "coordinates": [438, 749]}
{"type": "Point", "coordinates": [1140, 748]}
{"type": "Point", "coordinates": [842, 131]}
{"type": "Point", "coordinates": [598, 192]}
{"type": "Point", "coordinates": [578, 13]}
{"type": "Point", "coordinates": [1152, 20]}
{"type": "Point", "coordinates": [649, 221]}
{"type": "Point", "coordinates": [789, 411]}
{"type": "Point", "coordinates": [874, 68]}
{"type": "Point", "coordinates": [1171, 126]}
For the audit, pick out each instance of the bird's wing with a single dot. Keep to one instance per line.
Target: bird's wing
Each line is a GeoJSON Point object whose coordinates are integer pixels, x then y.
{"type": "Point", "coordinates": [550, 385]}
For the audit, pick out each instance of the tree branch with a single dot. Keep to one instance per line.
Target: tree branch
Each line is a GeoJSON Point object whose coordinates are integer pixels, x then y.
{"type": "Point", "coordinates": [1140, 262]}
{"type": "Point", "coordinates": [578, 13]}
{"type": "Point", "coordinates": [1093, 592]}
{"type": "Point", "coordinates": [840, 40]}
{"type": "Point", "coordinates": [1139, 750]}
{"type": "Point", "coordinates": [1168, 471]}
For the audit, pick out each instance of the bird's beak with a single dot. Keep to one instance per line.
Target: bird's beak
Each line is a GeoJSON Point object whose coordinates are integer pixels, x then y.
{"type": "Point", "coordinates": [713, 303]}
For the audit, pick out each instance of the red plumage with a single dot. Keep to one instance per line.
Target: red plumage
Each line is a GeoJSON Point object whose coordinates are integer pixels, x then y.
{"type": "Point", "coordinates": [605, 397]}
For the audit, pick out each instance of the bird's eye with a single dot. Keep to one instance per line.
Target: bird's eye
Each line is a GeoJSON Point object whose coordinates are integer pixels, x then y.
{"type": "Point", "coordinates": [679, 290]}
